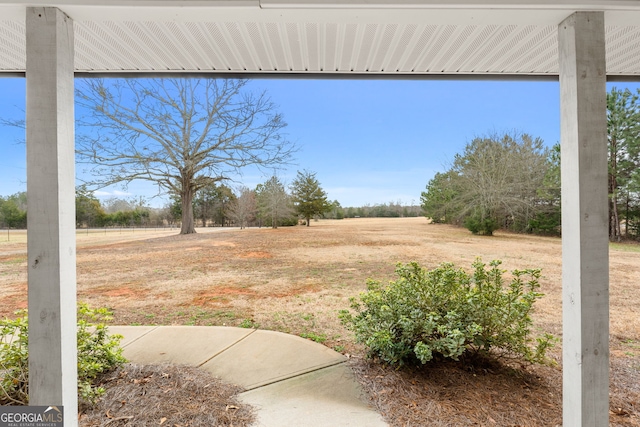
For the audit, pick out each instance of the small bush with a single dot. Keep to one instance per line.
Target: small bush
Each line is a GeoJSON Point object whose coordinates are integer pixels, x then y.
{"type": "Point", "coordinates": [448, 313]}
{"type": "Point", "coordinates": [477, 225]}
{"type": "Point", "coordinates": [98, 352]}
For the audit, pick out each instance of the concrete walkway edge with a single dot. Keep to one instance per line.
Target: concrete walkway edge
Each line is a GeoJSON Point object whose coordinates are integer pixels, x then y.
{"type": "Point", "coordinates": [290, 381]}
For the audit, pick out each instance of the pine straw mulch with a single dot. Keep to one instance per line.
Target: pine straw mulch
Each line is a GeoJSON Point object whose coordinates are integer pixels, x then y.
{"type": "Point", "coordinates": [166, 395]}
{"type": "Point", "coordinates": [443, 394]}
{"type": "Point", "coordinates": [485, 393]}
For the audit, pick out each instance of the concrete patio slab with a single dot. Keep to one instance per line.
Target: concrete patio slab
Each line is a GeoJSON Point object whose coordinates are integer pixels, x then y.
{"type": "Point", "coordinates": [186, 345]}
{"type": "Point", "coordinates": [265, 357]}
{"type": "Point", "coordinates": [328, 397]}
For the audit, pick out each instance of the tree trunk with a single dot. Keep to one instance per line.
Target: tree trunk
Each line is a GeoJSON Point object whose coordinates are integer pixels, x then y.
{"type": "Point", "coordinates": [188, 226]}
{"type": "Point", "coordinates": [626, 217]}
{"type": "Point", "coordinates": [308, 221]}
{"type": "Point", "coordinates": [616, 219]}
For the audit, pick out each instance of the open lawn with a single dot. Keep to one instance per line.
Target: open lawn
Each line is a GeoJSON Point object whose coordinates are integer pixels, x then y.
{"type": "Point", "coordinates": [296, 279]}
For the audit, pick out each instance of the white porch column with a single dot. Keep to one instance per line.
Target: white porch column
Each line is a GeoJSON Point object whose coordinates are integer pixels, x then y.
{"type": "Point", "coordinates": [51, 211]}
{"type": "Point", "coordinates": [585, 244]}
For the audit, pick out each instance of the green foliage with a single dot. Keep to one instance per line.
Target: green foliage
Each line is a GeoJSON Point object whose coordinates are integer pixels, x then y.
{"type": "Point", "coordinates": [477, 224]}
{"type": "Point", "coordinates": [309, 199]}
{"type": "Point", "coordinates": [547, 219]}
{"type": "Point", "coordinates": [623, 135]}
{"type": "Point", "coordinates": [274, 204]}
{"type": "Point", "coordinates": [89, 211]}
{"type": "Point", "coordinates": [336, 211]}
{"type": "Point", "coordinates": [437, 199]}
{"type": "Point", "coordinates": [174, 209]}
{"type": "Point", "coordinates": [249, 324]}
{"type": "Point", "coordinates": [137, 216]}
{"type": "Point", "coordinates": [98, 352]}
{"type": "Point", "coordinates": [382, 210]}
{"type": "Point", "coordinates": [547, 223]}
{"type": "Point", "coordinates": [549, 193]}
{"type": "Point", "coordinates": [13, 211]}
{"type": "Point", "coordinates": [319, 338]}
{"type": "Point", "coordinates": [212, 203]}
{"type": "Point", "coordinates": [14, 362]}
{"type": "Point", "coordinates": [447, 313]}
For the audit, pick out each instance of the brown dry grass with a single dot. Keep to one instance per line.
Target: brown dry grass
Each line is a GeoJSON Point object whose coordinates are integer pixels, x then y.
{"type": "Point", "coordinates": [296, 279]}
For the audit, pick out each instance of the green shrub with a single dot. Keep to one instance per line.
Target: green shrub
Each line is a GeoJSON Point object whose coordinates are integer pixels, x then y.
{"type": "Point", "coordinates": [547, 223]}
{"type": "Point", "coordinates": [448, 313]}
{"type": "Point", "coordinates": [98, 352]}
{"type": "Point", "coordinates": [478, 225]}
{"type": "Point", "coordinates": [14, 362]}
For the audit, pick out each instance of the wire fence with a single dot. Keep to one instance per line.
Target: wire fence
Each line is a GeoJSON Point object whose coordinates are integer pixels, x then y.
{"type": "Point", "coordinates": [19, 234]}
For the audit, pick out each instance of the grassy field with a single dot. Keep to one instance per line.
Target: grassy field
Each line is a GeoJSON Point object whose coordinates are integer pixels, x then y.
{"type": "Point", "coordinates": [296, 279]}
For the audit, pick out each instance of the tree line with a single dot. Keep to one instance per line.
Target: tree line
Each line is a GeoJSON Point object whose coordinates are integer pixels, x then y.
{"type": "Point", "coordinates": [274, 204]}
{"type": "Point", "coordinates": [380, 210]}
{"type": "Point", "coordinates": [89, 211]}
{"type": "Point", "coordinates": [506, 182]}
{"type": "Point", "coordinates": [512, 181]}
{"type": "Point", "coordinates": [269, 204]}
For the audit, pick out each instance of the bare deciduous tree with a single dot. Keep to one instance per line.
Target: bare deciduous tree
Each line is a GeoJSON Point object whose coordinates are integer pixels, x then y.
{"type": "Point", "coordinates": [244, 208]}
{"type": "Point", "coordinates": [495, 182]}
{"type": "Point", "coordinates": [182, 134]}
{"type": "Point", "coordinates": [500, 176]}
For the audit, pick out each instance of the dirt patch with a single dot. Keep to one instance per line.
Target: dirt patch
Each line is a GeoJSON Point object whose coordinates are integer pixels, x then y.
{"type": "Point", "coordinates": [17, 299]}
{"type": "Point", "coordinates": [126, 291]}
{"type": "Point", "coordinates": [120, 292]}
{"type": "Point", "coordinates": [220, 296]}
{"type": "Point", "coordinates": [297, 290]}
{"type": "Point", "coordinates": [256, 254]}
{"type": "Point", "coordinates": [223, 243]}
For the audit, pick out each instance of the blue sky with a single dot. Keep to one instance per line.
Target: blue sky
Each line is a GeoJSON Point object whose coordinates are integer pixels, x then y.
{"type": "Point", "coordinates": [369, 141]}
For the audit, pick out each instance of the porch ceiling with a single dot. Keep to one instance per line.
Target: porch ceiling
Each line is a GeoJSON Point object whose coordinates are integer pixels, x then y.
{"type": "Point", "coordinates": [358, 37]}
